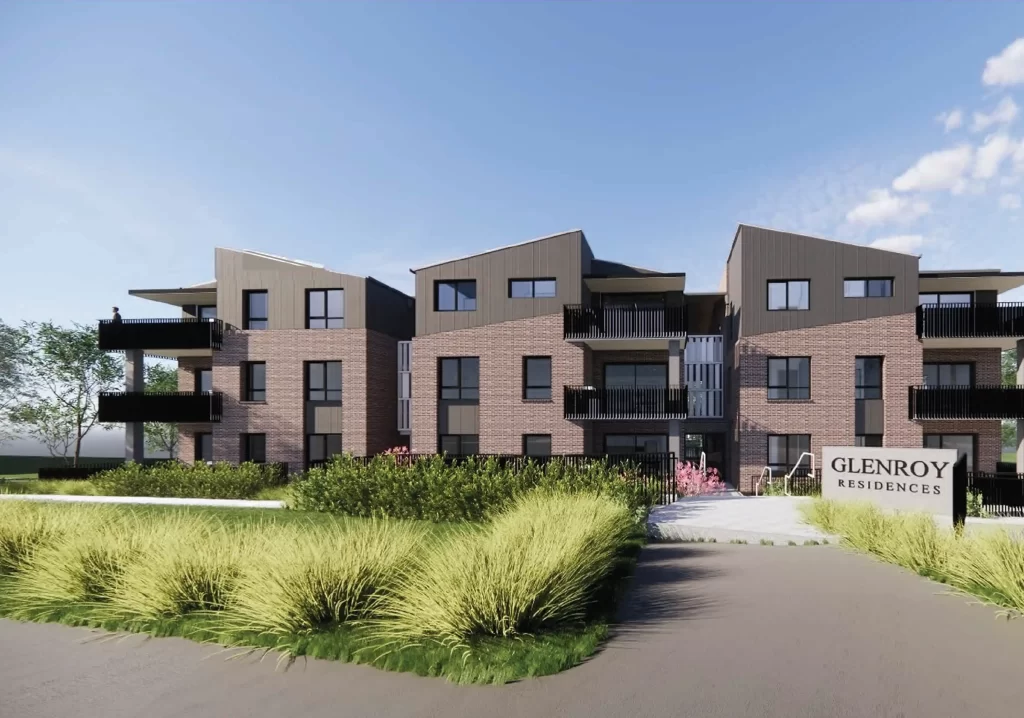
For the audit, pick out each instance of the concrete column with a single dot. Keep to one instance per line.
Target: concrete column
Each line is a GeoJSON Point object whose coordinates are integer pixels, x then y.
{"type": "Point", "coordinates": [134, 380]}
{"type": "Point", "coordinates": [675, 444]}
{"type": "Point", "coordinates": [1020, 422]}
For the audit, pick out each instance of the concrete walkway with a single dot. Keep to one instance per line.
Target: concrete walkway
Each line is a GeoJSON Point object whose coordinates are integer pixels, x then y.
{"type": "Point", "coordinates": [716, 631]}
{"type": "Point", "coordinates": [733, 517]}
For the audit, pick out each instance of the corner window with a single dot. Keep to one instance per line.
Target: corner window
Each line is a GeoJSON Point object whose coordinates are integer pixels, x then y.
{"type": "Point", "coordinates": [868, 440]}
{"type": "Point", "coordinates": [203, 446]}
{"type": "Point", "coordinates": [868, 378]}
{"type": "Point", "coordinates": [867, 288]}
{"type": "Point", "coordinates": [458, 296]}
{"type": "Point", "coordinates": [536, 377]}
{"type": "Point", "coordinates": [254, 381]}
{"type": "Point", "coordinates": [325, 309]}
{"type": "Point", "coordinates": [789, 378]}
{"type": "Point", "coordinates": [785, 450]}
{"type": "Point", "coordinates": [789, 294]}
{"type": "Point", "coordinates": [945, 298]}
{"type": "Point", "coordinates": [460, 378]}
{"type": "Point", "coordinates": [323, 381]}
{"type": "Point", "coordinates": [256, 309]}
{"type": "Point", "coordinates": [321, 447]}
{"type": "Point", "coordinates": [537, 444]}
{"type": "Point", "coordinates": [963, 443]}
{"type": "Point", "coordinates": [254, 448]}
{"type": "Point", "coordinates": [204, 380]}
{"type": "Point", "coordinates": [531, 288]}
{"type": "Point", "coordinates": [459, 444]}
{"type": "Point", "coordinates": [936, 374]}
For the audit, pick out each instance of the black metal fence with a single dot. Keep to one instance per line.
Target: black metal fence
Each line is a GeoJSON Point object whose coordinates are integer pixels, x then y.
{"type": "Point", "coordinates": [581, 403]}
{"type": "Point", "coordinates": [985, 401]}
{"type": "Point", "coordinates": [581, 322]}
{"type": "Point", "coordinates": [1001, 494]}
{"type": "Point", "coordinates": [173, 407]}
{"type": "Point", "coordinates": [168, 333]}
{"type": "Point", "coordinates": [804, 482]}
{"type": "Point", "coordinates": [994, 319]}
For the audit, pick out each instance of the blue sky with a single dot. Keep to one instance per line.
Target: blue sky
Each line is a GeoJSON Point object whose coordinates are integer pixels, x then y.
{"type": "Point", "coordinates": [135, 137]}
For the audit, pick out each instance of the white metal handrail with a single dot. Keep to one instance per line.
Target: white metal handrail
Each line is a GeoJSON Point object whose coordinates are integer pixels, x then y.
{"type": "Point", "coordinates": [785, 482]}
{"type": "Point", "coordinates": [765, 470]}
{"type": "Point", "coordinates": [703, 464]}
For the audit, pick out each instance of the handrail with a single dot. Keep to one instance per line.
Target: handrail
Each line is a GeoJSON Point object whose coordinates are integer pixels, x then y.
{"type": "Point", "coordinates": [785, 484]}
{"type": "Point", "coordinates": [758, 482]}
{"type": "Point", "coordinates": [703, 464]}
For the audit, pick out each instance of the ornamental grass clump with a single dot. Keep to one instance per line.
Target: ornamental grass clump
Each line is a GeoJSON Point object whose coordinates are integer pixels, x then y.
{"type": "Point", "coordinates": [990, 565]}
{"type": "Point", "coordinates": [23, 528]}
{"type": "Point", "coordinates": [535, 567]}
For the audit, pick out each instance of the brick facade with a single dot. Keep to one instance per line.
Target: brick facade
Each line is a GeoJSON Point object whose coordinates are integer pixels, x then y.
{"type": "Point", "coordinates": [187, 367]}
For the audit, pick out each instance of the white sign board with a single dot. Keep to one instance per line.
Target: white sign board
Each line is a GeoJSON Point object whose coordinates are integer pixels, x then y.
{"type": "Point", "coordinates": [905, 479]}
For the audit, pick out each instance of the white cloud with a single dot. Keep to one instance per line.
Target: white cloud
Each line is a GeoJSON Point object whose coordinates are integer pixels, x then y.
{"type": "Point", "coordinates": [1010, 201]}
{"type": "Point", "coordinates": [1004, 113]}
{"type": "Point", "coordinates": [882, 206]}
{"type": "Point", "coordinates": [906, 243]}
{"type": "Point", "coordinates": [1006, 68]}
{"type": "Point", "coordinates": [991, 155]}
{"type": "Point", "coordinates": [937, 170]}
{"type": "Point", "coordinates": [950, 120]}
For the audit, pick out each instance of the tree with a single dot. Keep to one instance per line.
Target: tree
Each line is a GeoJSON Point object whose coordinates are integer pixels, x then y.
{"type": "Point", "coordinates": [66, 371]}
{"type": "Point", "coordinates": [1009, 379]}
{"type": "Point", "coordinates": [161, 436]}
{"type": "Point", "coordinates": [13, 353]}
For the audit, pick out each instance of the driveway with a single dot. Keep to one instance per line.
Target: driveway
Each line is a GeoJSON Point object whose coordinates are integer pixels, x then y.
{"type": "Point", "coordinates": [709, 630]}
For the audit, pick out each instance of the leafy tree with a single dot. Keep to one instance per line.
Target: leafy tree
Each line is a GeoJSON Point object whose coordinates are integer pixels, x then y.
{"type": "Point", "coordinates": [1010, 367]}
{"type": "Point", "coordinates": [13, 353]}
{"type": "Point", "coordinates": [161, 436]}
{"type": "Point", "coordinates": [66, 371]}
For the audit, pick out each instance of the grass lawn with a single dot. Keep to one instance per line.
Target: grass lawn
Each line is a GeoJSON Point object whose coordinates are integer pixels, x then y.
{"type": "Point", "coordinates": [1009, 457]}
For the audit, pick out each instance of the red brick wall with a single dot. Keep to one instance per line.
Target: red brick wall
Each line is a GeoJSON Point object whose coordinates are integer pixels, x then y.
{"type": "Point", "coordinates": [504, 415]}
{"type": "Point", "coordinates": [187, 367]}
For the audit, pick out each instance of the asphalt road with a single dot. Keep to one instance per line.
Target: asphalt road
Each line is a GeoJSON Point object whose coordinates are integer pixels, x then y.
{"type": "Point", "coordinates": [709, 630]}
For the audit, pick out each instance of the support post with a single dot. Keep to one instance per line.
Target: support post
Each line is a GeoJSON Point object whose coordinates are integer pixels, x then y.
{"type": "Point", "coordinates": [675, 443]}
{"type": "Point", "coordinates": [134, 380]}
{"type": "Point", "coordinates": [1020, 422]}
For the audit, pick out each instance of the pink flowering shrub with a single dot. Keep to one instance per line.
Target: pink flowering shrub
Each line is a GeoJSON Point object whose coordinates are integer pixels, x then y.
{"type": "Point", "coordinates": [403, 457]}
{"type": "Point", "coordinates": [691, 481]}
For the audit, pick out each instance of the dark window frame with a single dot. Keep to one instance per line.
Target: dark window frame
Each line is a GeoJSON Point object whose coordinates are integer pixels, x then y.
{"type": "Point", "coordinates": [474, 439]}
{"type": "Point", "coordinates": [786, 387]}
{"type": "Point", "coordinates": [326, 389]}
{"type": "Point", "coordinates": [971, 369]}
{"type": "Point", "coordinates": [634, 437]}
{"type": "Point", "coordinates": [789, 307]}
{"type": "Point", "coordinates": [939, 295]}
{"type": "Point", "coordinates": [526, 439]}
{"type": "Point", "coordinates": [247, 318]}
{"type": "Point", "coordinates": [788, 466]}
{"type": "Point", "coordinates": [859, 390]}
{"type": "Point", "coordinates": [943, 435]}
{"type": "Point", "coordinates": [867, 287]}
{"type": "Point", "coordinates": [604, 371]}
{"type": "Point", "coordinates": [197, 446]}
{"type": "Point", "coordinates": [862, 440]}
{"type": "Point", "coordinates": [325, 437]}
{"type": "Point", "coordinates": [326, 318]}
{"type": "Point", "coordinates": [248, 391]}
{"type": "Point", "coordinates": [527, 387]}
{"type": "Point", "coordinates": [455, 287]}
{"type": "Point", "coordinates": [201, 307]}
{"type": "Point", "coordinates": [246, 446]}
{"type": "Point", "coordinates": [532, 281]}
{"type": "Point", "coordinates": [460, 387]}
{"type": "Point", "coordinates": [198, 374]}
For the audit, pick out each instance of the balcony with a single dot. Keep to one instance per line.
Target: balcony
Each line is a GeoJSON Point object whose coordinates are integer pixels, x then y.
{"type": "Point", "coordinates": [997, 324]}
{"type": "Point", "coordinates": [582, 323]}
{"type": "Point", "coordinates": [179, 337]}
{"type": "Point", "coordinates": [966, 402]}
{"type": "Point", "coordinates": [624, 403]}
{"type": "Point", "coordinates": [175, 407]}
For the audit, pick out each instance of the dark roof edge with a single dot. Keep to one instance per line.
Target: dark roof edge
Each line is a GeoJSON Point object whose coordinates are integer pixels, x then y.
{"type": "Point", "coordinates": [179, 290]}
{"type": "Point", "coordinates": [950, 273]}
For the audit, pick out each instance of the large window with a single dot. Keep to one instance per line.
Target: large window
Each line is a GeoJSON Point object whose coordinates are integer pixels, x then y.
{"type": "Point", "coordinates": [254, 448]}
{"type": "Point", "coordinates": [636, 375]}
{"type": "Point", "coordinates": [204, 380]}
{"type": "Point", "coordinates": [784, 450]}
{"type": "Point", "coordinates": [459, 444]}
{"type": "Point", "coordinates": [460, 378]}
{"type": "Point", "coordinates": [537, 444]}
{"type": "Point", "coordinates": [936, 374]}
{"type": "Point", "coordinates": [203, 446]}
{"type": "Point", "coordinates": [868, 440]}
{"type": "Point", "coordinates": [208, 312]}
{"type": "Point", "coordinates": [455, 296]}
{"type": "Point", "coordinates": [867, 288]}
{"type": "Point", "coordinates": [963, 443]}
{"type": "Point", "coordinates": [789, 378]}
{"type": "Point", "coordinates": [321, 447]}
{"type": "Point", "coordinates": [530, 288]}
{"type": "Point", "coordinates": [868, 378]}
{"type": "Point", "coordinates": [323, 381]}
{"type": "Point", "coordinates": [254, 381]}
{"type": "Point", "coordinates": [255, 309]}
{"type": "Point", "coordinates": [636, 444]}
{"type": "Point", "coordinates": [790, 294]}
{"type": "Point", "coordinates": [946, 298]}
{"type": "Point", "coordinates": [325, 309]}
{"type": "Point", "coordinates": [536, 377]}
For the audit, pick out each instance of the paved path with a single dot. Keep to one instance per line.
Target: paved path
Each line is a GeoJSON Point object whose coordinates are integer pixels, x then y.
{"type": "Point", "coordinates": [728, 517]}
{"type": "Point", "coordinates": [714, 631]}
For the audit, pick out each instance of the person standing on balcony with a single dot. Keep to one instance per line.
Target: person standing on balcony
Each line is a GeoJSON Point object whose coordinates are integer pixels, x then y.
{"type": "Point", "coordinates": [117, 316]}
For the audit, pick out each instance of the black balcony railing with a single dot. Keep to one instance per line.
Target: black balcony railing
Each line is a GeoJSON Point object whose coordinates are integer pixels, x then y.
{"type": "Point", "coordinates": [967, 321]}
{"type": "Point", "coordinates": [175, 407]}
{"type": "Point", "coordinates": [582, 403]}
{"type": "Point", "coordinates": [966, 402]}
{"type": "Point", "coordinates": [182, 333]}
{"type": "Point", "coordinates": [582, 322]}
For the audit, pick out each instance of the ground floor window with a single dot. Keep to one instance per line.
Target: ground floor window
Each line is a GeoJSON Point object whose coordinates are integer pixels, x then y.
{"type": "Point", "coordinates": [254, 448]}
{"type": "Point", "coordinates": [203, 446]}
{"type": "Point", "coordinates": [636, 444]}
{"type": "Point", "coordinates": [537, 444]}
{"type": "Point", "coordinates": [867, 440]}
{"type": "Point", "coordinates": [784, 451]}
{"type": "Point", "coordinates": [711, 445]}
{"type": "Point", "coordinates": [963, 443]}
{"type": "Point", "coordinates": [459, 444]}
{"type": "Point", "coordinates": [321, 447]}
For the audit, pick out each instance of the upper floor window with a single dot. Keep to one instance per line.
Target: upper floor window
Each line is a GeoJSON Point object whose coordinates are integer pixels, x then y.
{"type": "Point", "coordinates": [530, 288]}
{"type": "Point", "coordinates": [256, 309]}
{"type": "Point", "coordinates": [536, 377]}
{"type": "Point", "coordinates": [936, 374]}
{"type": "Point", "coordinates": [460, 378]}
{"type": "Point", "coordinates": [208, 312]}
{"type": "Point", "coordinates": [868, 378]}
{"type": "Point", "coordinates": [867, 288]}
{"type": "Point", "coordinates": [946, 298]}
{"type": "Point", "coordinates": [325, 309]}
{"type": "Point", "coordinates": [789, 378]}
{"type": "Point", "coordinates": [789, 294]}
{"type": "Point", "coordinates": [204, 380]}
{"type": "Point", "coordinates": [323, 381]}
{"type": "Point", "coordinates": [653, 376]}
{"type": "Point", "coordinates": [455, 296]}
{"type": "Point", "coordinates": [254, 381]}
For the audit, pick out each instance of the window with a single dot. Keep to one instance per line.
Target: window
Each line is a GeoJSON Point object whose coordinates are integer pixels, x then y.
{"type": "Point", "coordinates": [254, 381]}
{"type": "Point", "coordinates": [784, 450]}
{"type": "Point", "coordinates": [530, 288]}
{"type": "Point", "coordinates": [204, 380]}
{"type": "Point", "coordinates": [963, 443]}
{"type": "Point", "coordinates": [867, 440]}
{"type": "Point", "coordinates": [256, 308]}
{"type": "Point", "coordinates": [946, 298]}
{"type": "Point", "coordinates": [948, 374]}
{"type": "Point", "coordinates": [636, 375]}
{"type": "Point", "coordinates": [616, 444]}
{"type": "Point", "coordinates": [321, 447]}
{"type": "Point", "coordinates": [789, 294]}
{"type": "Point", "coordinates": [203, 446]}
{"type": "Point", "coordinates": [208, 312]}
{"type": "Point", "coordinates": [537, 444]}
{"type": "Point", "coordinates": [460, 378]}
{"type": "Point", "coordinates": [325, 309]}
{"type": "Point", "coordinates": [537, 377]}
{"type": "Point", "coordinates": [789, 378]}
{"type": "Point", "coordinates": [867, 288]}
{"type": "Point", "coordinates": [868, 378]}
{"type": "Point", "coordinates": [323, 381]}
{"type": "Point", "coordinates": [254, 448]}
{"type": "Point", "coordinates": [457, 296]}
{"type": "Point", "coordinates": [460, 444]}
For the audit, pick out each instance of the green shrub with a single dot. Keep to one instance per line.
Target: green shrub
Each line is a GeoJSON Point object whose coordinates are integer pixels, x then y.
{"type": "Point", "coordinates": [196, 481]}
{"type": "Point", "coordinates": [975, 505]}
